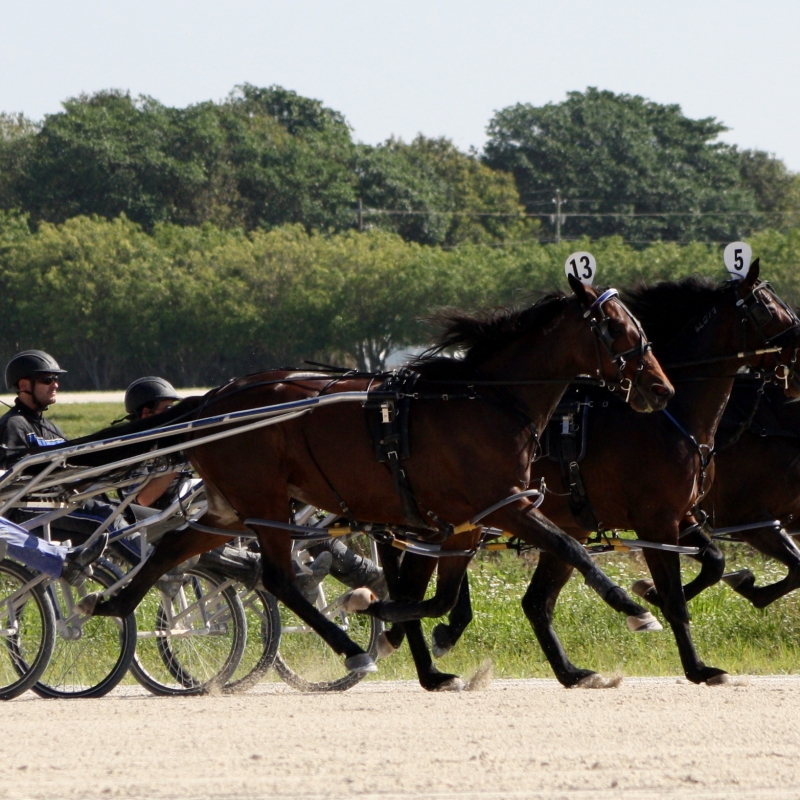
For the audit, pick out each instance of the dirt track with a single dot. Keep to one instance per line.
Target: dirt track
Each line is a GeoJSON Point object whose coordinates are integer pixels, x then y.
{"type": "Point", "coordinates": [516, 739]}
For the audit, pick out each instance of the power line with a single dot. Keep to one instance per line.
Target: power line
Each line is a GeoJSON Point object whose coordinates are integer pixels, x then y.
{"type": "Point", "coordinates": [584, 214]}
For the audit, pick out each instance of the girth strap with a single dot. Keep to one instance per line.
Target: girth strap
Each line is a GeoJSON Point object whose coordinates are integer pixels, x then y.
{"type": "Point", "coordinates": [389, 418]}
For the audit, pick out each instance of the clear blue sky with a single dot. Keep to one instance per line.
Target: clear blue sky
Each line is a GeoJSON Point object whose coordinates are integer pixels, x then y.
{"type": "Point", "coordinates": [439, 67]}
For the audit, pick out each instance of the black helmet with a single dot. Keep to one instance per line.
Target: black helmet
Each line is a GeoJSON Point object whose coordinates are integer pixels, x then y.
{"type": "Point", "coordinates": [147, 390]}
{"type": "Point", "coordinates": [28, 364]}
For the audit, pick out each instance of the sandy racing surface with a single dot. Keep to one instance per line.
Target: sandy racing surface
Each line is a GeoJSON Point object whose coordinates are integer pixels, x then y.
{"type": "Point", "coordinates": [651, 738]}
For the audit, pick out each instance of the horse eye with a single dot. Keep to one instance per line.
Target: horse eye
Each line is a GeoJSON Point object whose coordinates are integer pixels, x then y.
{"type": "Point", "coordinates": [615, 328]}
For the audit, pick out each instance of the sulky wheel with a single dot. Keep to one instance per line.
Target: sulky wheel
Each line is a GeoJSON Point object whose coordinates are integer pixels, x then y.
{"type": "Point", "coordinates": [263, 638]}
{"type": "Point", "coordinates": [28, 627]}
{"type": "Point", "coordinates": [192, 634]}
{"type": "Point", "coordinates": [91, 655]}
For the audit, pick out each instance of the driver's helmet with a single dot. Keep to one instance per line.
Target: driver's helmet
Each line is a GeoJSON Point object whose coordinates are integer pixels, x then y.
{"type": "Point", "coordinates": [144, 391]}
{"type": "Point", "coordinates": [29, 364]}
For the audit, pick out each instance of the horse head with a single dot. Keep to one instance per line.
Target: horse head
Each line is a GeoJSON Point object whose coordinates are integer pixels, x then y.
{"type": "Point", "coordinates": [771, 331]}
{"type": "Point", "coordinates": [624, 357]}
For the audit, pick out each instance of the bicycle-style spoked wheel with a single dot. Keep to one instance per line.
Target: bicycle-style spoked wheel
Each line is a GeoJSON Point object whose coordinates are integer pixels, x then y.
{"type": "Point", "coordinates": [306, 662]}
{"type": "Point", "coordinates": [92, 654]}
{"type": "Point", "coordinates": [263, 638]}
{"type": "Point", "coordinates": [27, 625]}
{"type": "Point", "coordinates": [192, 633]}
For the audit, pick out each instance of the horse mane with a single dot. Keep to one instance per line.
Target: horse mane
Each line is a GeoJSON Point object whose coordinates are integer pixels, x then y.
{"type": "Point", "coordinates": [666, 307]}
{"type": "Point", "coordinates": [480, 335]}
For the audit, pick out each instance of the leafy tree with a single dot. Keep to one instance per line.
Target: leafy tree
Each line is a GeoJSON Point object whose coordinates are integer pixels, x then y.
{"type": "Point", "coordinates": [262, 157]}
{"type": "Point", "coordinates": [434, 194]}
{"type": "Point", "coordinates": [615, 154]}
{"type": "Point", "coordinates": [16, 139]}
{"type": "Point", "coordinates": [776, 189]}
{"type": "Point", "coordinates": [292, 158]}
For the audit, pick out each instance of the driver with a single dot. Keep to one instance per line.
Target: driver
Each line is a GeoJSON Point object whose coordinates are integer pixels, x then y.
{"type": "Point", "coordinates": [34, 376]}
{"type": "Point", "coordinates": [144, 398]}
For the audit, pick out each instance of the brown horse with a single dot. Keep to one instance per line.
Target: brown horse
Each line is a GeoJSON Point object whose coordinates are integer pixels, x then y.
{"type": "Point", "coordinates": [758, 480]}
{"type": "Point", "coordinates": [646, 473]}
{"type": "Point", "coordinates": [470, 447]}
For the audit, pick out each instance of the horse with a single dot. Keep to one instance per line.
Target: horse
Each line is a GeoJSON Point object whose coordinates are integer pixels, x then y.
{"type": "Point", "coordinates": [720, 328]}
{"type": "Point", "coordinates": [474, 428]}
{"type": "Point", "coordinates": [758, 480]}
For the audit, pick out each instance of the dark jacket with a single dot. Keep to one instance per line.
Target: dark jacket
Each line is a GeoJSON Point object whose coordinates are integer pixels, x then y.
{"type": "Point", "coordinates": [22, 428]}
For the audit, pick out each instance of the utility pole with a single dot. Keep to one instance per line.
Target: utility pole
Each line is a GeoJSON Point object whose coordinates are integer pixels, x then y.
{"type": "Point", "coordinates": [360, 216]}
{"type": "Point", "coordinates": [558, 220]}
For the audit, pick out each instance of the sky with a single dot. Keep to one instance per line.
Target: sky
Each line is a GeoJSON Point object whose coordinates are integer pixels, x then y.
{"type": "Point", "coordinates": [437, 67]}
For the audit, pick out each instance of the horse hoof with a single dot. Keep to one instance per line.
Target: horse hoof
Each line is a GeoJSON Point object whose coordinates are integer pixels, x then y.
{"type": "Point", "coordinates": [88, 603]}
{"type": "Point", "coordinates": [361, 663]}
{"type": "Point", "coordinates": [719, 680]}
{"type": "Point", "coordinates": [644, 623]}
{"type": "Point", "coordinates": [358, 600]}
{"type": "Point", "coordinates": [737, 579]}
{"type": "Point", "coordinates": [455, 684]}
{"type": "Point", "coordinates": [598, 681]}
{"type": "Point", "coordinates": [385, 647]}
{"type": "Point", "coordinates": [641, 588]}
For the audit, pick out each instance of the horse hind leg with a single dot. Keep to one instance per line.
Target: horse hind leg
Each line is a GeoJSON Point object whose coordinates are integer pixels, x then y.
{"type": "Point", "coordinates": [712, 567]}
{"type": "Point", "coordinates": [780, 546]}
{"type": "Point", "coordinates": [278, 579]}
{"type": "Point", "coordinates": [172, 549]}
{"type": "Point", "coordinates": [549, 578]}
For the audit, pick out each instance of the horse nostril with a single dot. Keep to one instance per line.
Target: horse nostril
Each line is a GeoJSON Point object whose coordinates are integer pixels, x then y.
{"type": "Point", "coordinates": [659, 389]}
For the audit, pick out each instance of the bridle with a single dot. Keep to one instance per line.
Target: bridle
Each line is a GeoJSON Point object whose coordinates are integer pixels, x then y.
{"type": "Point", "coordinates": [755, 311]}
{"type": "Point", "coordinates": [602, 334]}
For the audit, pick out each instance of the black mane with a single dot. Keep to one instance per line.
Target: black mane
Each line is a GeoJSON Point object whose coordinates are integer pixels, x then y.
{"type": "Point", "coordinates": [478, 336]}
{"type": "Point", "coordinates": [667, 307]}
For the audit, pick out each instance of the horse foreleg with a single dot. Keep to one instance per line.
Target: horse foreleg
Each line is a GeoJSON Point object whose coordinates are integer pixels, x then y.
{"type": "Point", "coordinates": [535, 529]}
{"type": "Point", "coordinates": [666, 571]}
{"type": "Point", "coordinates": [446, 634]}
{"type": "Point", "coordinates": [415, 574]}
{"type": "Point", "coordinates": [172, 549]}
{"type": "Point", "coordinates": [392, 637]}
{"type": "Point", "coordinates": [413, 607]}
{"type": "Point", "coordinates": [780, 546]}
{"type": "Point", "coordinates": [407, 581]}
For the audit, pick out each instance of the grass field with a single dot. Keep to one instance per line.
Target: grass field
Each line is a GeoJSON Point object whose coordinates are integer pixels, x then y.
{"type": "Point", "coordinates": [78, 419]}
{"type": "Point", "coordinates": [728, 631]}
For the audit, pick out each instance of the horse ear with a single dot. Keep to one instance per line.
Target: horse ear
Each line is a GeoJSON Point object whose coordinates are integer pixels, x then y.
{"type": "Point", "coordinates": [752, 274]}
{"type": "Point", "coordinates": [584, 293]}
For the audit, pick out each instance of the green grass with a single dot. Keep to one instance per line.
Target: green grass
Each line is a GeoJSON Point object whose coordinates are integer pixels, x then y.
{"type": "Point", "coordinates": [78, 419]}
{"type": "Point", "coordinates": [728, 632]}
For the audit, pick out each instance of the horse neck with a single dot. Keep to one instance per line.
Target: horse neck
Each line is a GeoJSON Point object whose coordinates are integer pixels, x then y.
{"type": "Point", "coordinates": [703, 391]}
{"type": "Point", "coordinates": [548, 355]}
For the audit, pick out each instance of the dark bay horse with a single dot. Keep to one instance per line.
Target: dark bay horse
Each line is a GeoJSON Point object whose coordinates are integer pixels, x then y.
{"type": "Point", "coordinates": [469, 447]}
{"type": "Point", "coordinates": [758, 480]}
{"type": "Point", "coordinates": [646, 472]}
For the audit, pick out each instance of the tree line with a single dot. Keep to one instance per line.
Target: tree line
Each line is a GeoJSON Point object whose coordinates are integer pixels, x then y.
{"type": "Point", "coordinates": [201, 304]}
{"type": "Point", "coordinates": [263, 158]}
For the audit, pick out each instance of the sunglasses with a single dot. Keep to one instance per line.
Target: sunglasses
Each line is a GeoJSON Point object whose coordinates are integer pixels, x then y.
{"type": "Point", "coordinates": [50, 379]}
